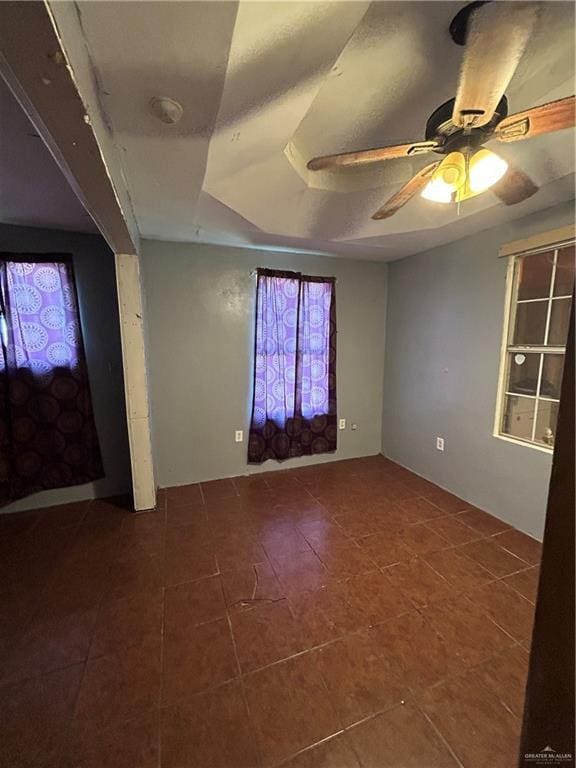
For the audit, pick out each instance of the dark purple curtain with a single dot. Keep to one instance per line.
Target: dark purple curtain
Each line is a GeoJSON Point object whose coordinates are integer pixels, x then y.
{"type": "Point", "coordinates": [294, 405]}
{"type": "Point", "coordinates": [47, 433]}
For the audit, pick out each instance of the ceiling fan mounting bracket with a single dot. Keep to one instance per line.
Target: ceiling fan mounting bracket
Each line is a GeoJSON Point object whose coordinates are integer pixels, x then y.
{"type": "Point", "coordinates": [450, 137]}
{"type": "Point", "coordinates": [459, 24]}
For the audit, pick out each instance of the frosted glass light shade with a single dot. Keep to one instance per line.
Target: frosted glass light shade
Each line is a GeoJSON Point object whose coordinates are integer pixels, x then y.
{"type": "Point", "coordinates": [437, 191]}
{"type": "Point", "coordinates": [447, 179]}
{"type": "Point", "coordinates": [486, 168]}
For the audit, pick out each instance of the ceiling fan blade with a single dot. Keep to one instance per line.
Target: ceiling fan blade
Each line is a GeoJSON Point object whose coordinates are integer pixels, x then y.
{"type": "Point", "coordinates": [546, 118]}
{"type": "Point", "coordinates": [497, 36]}
{"type": "Point", "coordinates": [407, 192]}
{"type": "Point", "coordinates": [365, 156]}
{"type": "Point", "coordinates": [514, 187]}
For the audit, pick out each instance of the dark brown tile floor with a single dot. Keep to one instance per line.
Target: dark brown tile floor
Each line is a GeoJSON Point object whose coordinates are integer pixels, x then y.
{"type": "Point", "coordinates": [347, 615]}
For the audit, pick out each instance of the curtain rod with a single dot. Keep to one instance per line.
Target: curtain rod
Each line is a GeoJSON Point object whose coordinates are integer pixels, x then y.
{"type": "Point", "coordinates": [288, 272]}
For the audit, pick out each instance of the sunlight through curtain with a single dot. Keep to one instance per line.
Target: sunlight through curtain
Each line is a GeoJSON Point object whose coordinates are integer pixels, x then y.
{"type": "Point", "coordinates": [294, 400]}
{"type": "Point", "coordinates": [47, 432]}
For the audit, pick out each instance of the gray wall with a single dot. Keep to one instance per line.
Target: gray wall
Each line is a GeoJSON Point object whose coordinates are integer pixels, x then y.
{"type": "Point", "coordinates": [96, 285]}
{"type": "Point", "coordinates": [200, 324]}
{"type": "Point", "coordinates": [443, 338]}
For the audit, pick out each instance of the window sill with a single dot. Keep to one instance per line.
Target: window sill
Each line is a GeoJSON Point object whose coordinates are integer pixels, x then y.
{"type": "Point", "coordinates": [525, 444]}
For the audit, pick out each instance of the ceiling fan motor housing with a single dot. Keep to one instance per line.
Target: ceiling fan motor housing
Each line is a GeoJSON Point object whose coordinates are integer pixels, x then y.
{"type": "Point", "coordinates": [459, 24]}
{"type": "Point", "coordinates": [453, 138]}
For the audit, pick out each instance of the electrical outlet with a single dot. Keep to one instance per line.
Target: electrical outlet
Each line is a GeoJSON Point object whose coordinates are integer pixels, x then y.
{"type": "Point", "coordinates": [342, 424]}
{"type": "Point", "coordinates": [239, 436]}
{"type": "Point", "coordinates": [439, 443]}
{"type": "Point", "coordinates": [354, 427]}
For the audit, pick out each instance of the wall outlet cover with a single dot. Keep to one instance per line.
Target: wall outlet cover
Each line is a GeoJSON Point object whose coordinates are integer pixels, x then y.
{"type": "Point", "coordinates": [439, 443]}
{"type": "Point", "coordinates": [239, 436]}
{"type": "Point", "coordinates": [341, 423]}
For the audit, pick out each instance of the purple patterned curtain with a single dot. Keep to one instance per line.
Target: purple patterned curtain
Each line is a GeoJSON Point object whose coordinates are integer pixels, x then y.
{"type": "Point", "coordinates": [294, 405]}
{"type": "Point", "coordinates": [47, 433]}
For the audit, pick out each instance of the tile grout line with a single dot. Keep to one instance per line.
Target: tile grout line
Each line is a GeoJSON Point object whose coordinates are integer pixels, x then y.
{"type": "Point", "coordinates": [309, 748]}
{"type": "Point", "coordinates": [243, 686]}
{"type": "Point", "coordinates": [441, 737]}
{"type": "Point", "coordinates": [74, 708]}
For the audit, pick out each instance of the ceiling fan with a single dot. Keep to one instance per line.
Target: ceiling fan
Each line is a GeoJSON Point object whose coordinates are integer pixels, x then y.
{"type": "Point", "coordinates": [495, 35]}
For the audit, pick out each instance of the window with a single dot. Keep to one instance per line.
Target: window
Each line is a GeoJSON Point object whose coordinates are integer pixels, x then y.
{"type": "Point", "coordinates": [533, 358]}
{"type": "Point", "coordinates": [294, 405]}
{"type": "Point", "coordinates": [39, 322]}
{"type": "Point", "coordinates": [47, 432]}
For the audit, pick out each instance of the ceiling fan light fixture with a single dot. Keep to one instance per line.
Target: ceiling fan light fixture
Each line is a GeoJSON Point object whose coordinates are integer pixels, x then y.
{"type": "Point", "coordinates": [452, 170]}
{"type": "Point", "coordinates": [448, 178]}
{"type": "Point", "coordinates": [486, 168]}
{"type": "Point", "coordinates": [460, 177]}
{"type": "Point", "coordinates": [437, 191]}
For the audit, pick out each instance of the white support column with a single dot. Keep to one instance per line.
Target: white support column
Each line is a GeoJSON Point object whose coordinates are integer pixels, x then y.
{"type": "Point", "coordinates": [135, 379]}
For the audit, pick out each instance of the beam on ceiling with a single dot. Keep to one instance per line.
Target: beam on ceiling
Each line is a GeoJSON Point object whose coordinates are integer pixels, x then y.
{"type": "Point", "coordinates": [55, 96]}
{"type": "Point", "coordinates": [46, 64]}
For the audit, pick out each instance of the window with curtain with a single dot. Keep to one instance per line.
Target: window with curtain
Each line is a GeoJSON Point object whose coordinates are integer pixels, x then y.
{"type": "Point", "coordinates": [294, 400]}
{"type": "Point", "coordinates": [47, 432]}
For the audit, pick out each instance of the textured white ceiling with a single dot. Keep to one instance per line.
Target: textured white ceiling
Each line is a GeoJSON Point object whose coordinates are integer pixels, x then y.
{"type": "Point", "coordinates": [33, 191]}
{"type": "Point", "coordinates": [265, 86]}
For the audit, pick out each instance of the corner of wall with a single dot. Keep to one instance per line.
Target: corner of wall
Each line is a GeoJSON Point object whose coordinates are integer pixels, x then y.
{"type": "Point", "coordinates": [388, 270]}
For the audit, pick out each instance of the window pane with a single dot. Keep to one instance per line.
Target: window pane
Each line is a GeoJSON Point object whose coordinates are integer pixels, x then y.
{"type": "Point", "coordinates": [42, 318]}
{"type": "Point", "coordinates": [559, 319]}
{"type": "Point", "coordinates": [518, 416]}
{"type": "Point", "coordinates": [530, 323]}
{"type": "Point", "coordinates": [314, 347]}
{"type": "Point", "coordinates": [535, 275]}
{"type": "Point", "coordinates": [564, 280]}
{"type": "Point", "coordinates": [552, 376]}
{"type": "Point", "coordinates": [275, 365]}
{"type": "Point", "coordinates": [523, 373]}
{"type": "Point", "coordinates": [546, 422]}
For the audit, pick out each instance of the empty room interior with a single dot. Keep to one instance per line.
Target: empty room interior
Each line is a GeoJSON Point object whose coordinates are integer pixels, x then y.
{"type": "Point", "coordinates": [287, 384]}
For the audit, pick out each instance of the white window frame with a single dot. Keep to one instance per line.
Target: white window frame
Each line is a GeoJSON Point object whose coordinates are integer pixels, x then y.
{"type": "Point", "coordinates": [510, 304]}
